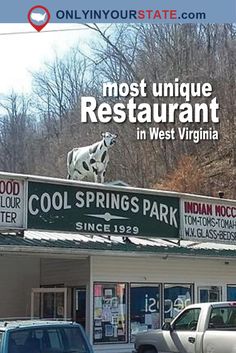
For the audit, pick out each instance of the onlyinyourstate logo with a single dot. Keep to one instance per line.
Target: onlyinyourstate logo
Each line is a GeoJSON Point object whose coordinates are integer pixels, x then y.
{"type": "Point", "coordinates": [38, 17]}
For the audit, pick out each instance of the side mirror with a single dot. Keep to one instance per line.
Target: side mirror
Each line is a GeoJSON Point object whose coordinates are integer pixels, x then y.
{"type": "Point", "coordinates": [167, 326]}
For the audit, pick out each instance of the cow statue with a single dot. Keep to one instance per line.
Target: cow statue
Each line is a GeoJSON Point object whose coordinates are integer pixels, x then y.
{"type": "Point", "coordinates": [90, 161]}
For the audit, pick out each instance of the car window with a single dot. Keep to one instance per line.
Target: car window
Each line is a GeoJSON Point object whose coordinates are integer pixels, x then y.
{"type": "Point", "coordinates": [1, 334]}
{"type": "Point", "coordinates": [188, 320]}
{"type": "Point", "coordinates": [54, 339]}
{"type": "Point", "coordinates": [19, 337]}
{"type": "Point", "coordinates": [48, 340]}
{"type": "Point", "coordinates": [223, 318]}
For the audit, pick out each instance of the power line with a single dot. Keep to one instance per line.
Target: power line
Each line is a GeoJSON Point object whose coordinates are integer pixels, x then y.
{"type": "Point", "coordinates": [48, 31]}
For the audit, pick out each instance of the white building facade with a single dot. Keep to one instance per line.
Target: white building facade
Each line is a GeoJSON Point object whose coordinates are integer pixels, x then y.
{"type": "Point", "coordinates": [114, 288]}
{"type": "Point", "coordinates": [116, 259]}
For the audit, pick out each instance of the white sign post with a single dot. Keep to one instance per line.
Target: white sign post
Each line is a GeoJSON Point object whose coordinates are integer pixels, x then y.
{"type": "Point", "coordinates": [208, 221]}
{"type": "Point", "coordinates": [12, 204]}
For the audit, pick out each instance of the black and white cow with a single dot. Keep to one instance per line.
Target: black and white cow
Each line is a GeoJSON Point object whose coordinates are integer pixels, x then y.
{"type": "Point", "coordinates": [90, 161]}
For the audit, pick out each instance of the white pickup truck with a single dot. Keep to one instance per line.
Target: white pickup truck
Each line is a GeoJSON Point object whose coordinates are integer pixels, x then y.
{"type": "Point", "coordinates": [199, 328]}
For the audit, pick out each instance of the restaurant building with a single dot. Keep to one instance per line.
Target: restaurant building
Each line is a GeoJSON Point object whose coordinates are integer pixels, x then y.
{"type": "Point", "coordinates": [115, 285]}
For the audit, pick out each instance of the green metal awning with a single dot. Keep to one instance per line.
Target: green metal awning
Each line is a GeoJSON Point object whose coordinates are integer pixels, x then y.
{"type": "Point", "coordinates": [35, 240]}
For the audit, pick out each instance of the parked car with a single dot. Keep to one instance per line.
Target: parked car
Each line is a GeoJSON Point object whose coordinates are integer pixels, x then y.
{"type": "Point", "coordinates": [199, 328]}
{"type": "Point", "coordinates": [40, 336]}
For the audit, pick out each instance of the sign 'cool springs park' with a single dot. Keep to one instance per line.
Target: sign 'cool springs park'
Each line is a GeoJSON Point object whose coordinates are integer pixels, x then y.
{"type": "Point", "coordinates": [91, 210]}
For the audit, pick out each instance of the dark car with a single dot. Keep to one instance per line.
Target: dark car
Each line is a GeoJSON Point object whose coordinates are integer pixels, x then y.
{"type": "Point", "coordinates": [39, 336]}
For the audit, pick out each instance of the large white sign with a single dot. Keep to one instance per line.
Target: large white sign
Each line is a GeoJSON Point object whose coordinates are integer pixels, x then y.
{"type": "Point", "coordinates": [212, 221]}
{"type": "Point", "coordinates": [12, 204]}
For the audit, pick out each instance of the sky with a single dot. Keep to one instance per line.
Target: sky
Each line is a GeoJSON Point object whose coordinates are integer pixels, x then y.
{"type": "Point", "coordinates": [24, 53]}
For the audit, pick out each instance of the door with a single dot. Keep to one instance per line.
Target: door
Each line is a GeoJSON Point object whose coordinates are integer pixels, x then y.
{"type": "Point", "coordinates": [79, 305]}
{"type": "Point", "coordinates": [182, 339]}
{"type": "Point", "coordinates": [49, 303]}
{"type": "Point", "coordinates": [209, 294]}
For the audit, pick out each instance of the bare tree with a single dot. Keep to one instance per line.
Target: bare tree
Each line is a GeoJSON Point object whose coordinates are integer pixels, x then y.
{"type": "Point", "coordinates": [16, 130]}
{"type": "Point", "coordinates": [57, 89]}
{"type": "Point", "coordinates": [130, 53]}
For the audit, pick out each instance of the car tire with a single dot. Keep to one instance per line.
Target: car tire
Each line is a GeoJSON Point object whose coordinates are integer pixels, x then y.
{"type": "Point", "coordinates": [149, 350]}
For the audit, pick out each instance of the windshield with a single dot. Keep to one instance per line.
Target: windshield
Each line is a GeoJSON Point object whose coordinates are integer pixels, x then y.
{"type": "Point", "coordinates": [48, 340]}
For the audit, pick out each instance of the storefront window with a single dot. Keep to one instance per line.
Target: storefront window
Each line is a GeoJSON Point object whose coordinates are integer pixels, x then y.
{"type": "Point", "coordinates": [231, 292]}
{"type": "Point", "coordinates": [110, 312]}
{"type": "Point", "coordinates": [144, 308]}
{"type": "Point", "coordinates": [209, 294]}
{"type": "Point", "coordinates": [176, 298]}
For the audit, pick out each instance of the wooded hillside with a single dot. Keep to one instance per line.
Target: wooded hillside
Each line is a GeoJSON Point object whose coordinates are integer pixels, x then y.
{"type": "Point", "coordinates": [37, 131]}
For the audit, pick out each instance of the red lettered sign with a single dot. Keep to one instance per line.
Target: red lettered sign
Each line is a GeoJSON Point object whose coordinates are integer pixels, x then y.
{"type": "Point", "coordinates": [208, 220]}
{"type": "Point", "coordinates": [12, 204]}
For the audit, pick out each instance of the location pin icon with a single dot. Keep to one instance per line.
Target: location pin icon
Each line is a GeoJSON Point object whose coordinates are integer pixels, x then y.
{"type": "Point", "coordinates": [38, 17]}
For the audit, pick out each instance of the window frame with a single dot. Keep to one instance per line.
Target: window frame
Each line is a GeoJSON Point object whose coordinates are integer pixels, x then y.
{"type": "Point", "coordinates": [227, 291]}
{"type": "Point", "coordinates": [143, 284]}
{"type": "Point", "coordinates": [105, 286]}
{"type": "Point", "coordinates": [191, 289]}
{"type": "Point", "coordinates": [209, 288]}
